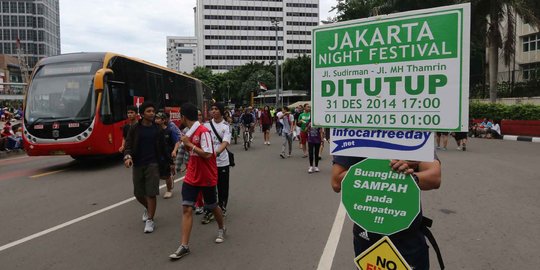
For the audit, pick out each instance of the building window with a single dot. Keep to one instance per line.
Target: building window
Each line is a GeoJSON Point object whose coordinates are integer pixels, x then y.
{"type": "Point", "coordinates": [304, 5]}
{"type": "Point", "coordinates": [530, 71]}
{"type": "Point", "coordinates": [239, 18]}
{"type": "Point", "coordinates": [250, 8]}
{"type": "Point", "coordinates": [292, 41]}
{"type": "Point", "coordinates": [531, 42]}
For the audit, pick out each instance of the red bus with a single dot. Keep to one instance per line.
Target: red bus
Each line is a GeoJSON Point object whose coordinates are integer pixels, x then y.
{"type": "Point", "coordinates": [76, 103]}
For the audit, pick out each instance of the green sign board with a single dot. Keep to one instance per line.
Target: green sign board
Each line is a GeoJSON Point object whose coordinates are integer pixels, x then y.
{"type": "Point", "coordinates": [378, 199]}
{"type": "Point", "coordinates": [405, 70]}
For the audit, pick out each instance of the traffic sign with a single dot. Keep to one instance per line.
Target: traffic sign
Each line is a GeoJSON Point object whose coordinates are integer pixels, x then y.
{"type": "Point", "coordinates": [402, 71]}
{"type": "Point", "coordinates": [378, 199]}
{"type": "Point", "coordinates": [383, 255]}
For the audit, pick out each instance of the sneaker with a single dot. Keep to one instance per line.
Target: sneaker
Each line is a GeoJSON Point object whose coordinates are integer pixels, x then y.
{"type": "Point", "coordinates": [316, 169]}
{"type": "Point", "coordinates": [282, 155]}
{"type": "Point", "coordinates": [167, 195]}
{"type": "Point", "coordinates": [145, 215]}
{"type": "Point", "coordinates": [459, 148]}
{"type": "Point", "coordinates": [180, 252]}
{"type": "Point", "coordinates": [310, 170]}
{"type": "Point", "coordinates": [268, 143]}
{"type": "Point", "coordinates": [438, 147]}
{"type": "Point", "coordinates": [464, 148]}
{"type": "Point", "coordinates": [149, 226]}
{"type": "Point", "coordinates": [220, 235]}
{"type": "Point", "coordinates": [208, 217]}
{"type": "Point", "coordinates": [199, 210]}
{"type": "Point", "coordinates": [444, 149]}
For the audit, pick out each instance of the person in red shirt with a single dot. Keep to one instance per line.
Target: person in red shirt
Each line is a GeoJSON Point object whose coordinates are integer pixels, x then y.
{"type": "Point", "coordinates": [266, 122]}
{"type": "Point", "coordinates": [201, 176]}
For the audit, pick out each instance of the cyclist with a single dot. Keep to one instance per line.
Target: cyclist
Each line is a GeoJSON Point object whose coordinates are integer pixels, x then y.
{"type": "Point", "coordinates": [236, 123]}
{"type": "Point", "coordinates": [248, 121]}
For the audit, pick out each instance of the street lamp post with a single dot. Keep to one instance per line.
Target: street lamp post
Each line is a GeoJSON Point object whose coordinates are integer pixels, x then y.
{"type": "Point", "coordinates": [275, 22]}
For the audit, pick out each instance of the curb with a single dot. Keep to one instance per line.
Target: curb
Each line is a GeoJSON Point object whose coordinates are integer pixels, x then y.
{"type": "Point", "coordinates": [13, 153]}
{"type": "Point", "coordinates": [521, 138]}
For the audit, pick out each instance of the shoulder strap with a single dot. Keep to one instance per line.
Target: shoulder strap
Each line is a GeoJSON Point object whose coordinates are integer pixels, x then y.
{"type": "Point", "coordinates": [426, 224]}
{"type": "Point", "coordinates": [215, 131]}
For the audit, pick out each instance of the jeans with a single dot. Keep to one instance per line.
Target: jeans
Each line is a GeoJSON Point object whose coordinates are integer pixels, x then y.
{"type": "Point", "coordinates": [287, 139]}
{"type": "Point", "coordinates": [313, 150]}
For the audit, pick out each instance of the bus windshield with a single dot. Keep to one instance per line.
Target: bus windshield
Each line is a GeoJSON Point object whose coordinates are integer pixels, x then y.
{"type": "Point", "coordinates": [61, 92]}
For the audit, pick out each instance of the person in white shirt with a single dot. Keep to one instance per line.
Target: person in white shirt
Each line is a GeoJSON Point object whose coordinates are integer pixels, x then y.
{"type": "Point", "coordinates": [219, 125]}
{"type": "Point", "coordinates": [286, 131]}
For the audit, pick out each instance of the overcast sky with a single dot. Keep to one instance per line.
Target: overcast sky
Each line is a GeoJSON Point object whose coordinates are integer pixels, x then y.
{"type": "Point", "coordinates": [135, 28]}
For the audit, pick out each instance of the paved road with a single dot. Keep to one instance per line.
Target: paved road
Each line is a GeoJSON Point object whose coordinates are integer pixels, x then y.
{"type": "Point", "coordinates": [485, 213]}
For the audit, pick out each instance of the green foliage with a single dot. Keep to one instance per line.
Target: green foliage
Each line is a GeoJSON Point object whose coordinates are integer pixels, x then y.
{"type": "Point", "coordinates": [236, 85]}
{"type": "Point", "coordinates": [357, 9]}
{"type": "Point", "coordinates": [297, 73]}
{"type": "Point", "coordinates": [479, 110]}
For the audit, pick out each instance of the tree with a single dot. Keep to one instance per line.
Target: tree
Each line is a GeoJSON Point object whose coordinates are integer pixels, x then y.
{"type": "Point", "coordinates": [493, 14]}
{"type": "Point", "coordinates": [357, 9]}
{"type": "Point", "coordinates": [297, 73]}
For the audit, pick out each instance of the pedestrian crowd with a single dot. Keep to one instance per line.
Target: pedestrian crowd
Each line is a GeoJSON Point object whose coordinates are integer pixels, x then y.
{"type": "Point", "coordinates": [153, 146]}
{"type": "Point", "coordinates": [156, 149]}
{"type": "Point", "coordinates": [10, 134]}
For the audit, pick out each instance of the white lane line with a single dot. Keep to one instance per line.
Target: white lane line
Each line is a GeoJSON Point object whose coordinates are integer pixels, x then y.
{"type": "Point", "coordinates": [63, 225]}
{"type": "Point", "coordinates": [327, 258]}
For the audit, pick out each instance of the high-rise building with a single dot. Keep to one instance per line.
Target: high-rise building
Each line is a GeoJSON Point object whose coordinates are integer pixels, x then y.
{"type": "Point", "coordinates": [231, 33]}
{"type": "Point", "coordinates": [182, 53]}
{"type": "Point", "coordinates": [31, 25]}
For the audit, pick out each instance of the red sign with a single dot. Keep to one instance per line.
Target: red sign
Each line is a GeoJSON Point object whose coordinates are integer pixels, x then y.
{"type": "Point", "coordinates": [56, 125]}
{"type": "Point", "coordinates": [174, 113]}
{"type": "Point", "coordinates": [138, 101]}
{"type": "Point", "coordinates": [38, 127]}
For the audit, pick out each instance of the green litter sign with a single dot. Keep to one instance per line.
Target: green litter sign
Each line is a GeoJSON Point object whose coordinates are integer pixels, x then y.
{"type": "Point", "coordinates": [378, 199]}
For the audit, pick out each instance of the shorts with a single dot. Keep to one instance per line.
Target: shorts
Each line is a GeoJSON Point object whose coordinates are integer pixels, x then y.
{"type": "Point", "coordinates": [190, 192]}
{"type": "Point", "coordinates": [164, 171]}
{"type": "Point", "coordinates": [265, 128]}
{"type": "Point", "coordinates": [303, 137]}
{"type": "Point", "coordinates": [146, 180]}
{"type": "Point", "coordinates": [442, 133]}
{"type": "Point", "coordinates": [461, 136]}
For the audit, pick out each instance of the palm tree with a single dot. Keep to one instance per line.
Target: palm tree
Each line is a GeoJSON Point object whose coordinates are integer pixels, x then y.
{"type": "Point", "coordinates": [492, 14]}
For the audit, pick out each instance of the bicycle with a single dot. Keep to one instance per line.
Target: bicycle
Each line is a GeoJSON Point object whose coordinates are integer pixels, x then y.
{"type": "Point", "coordinates": [247, 138]}
{"type": "Point", "coordinates": [235, 133]}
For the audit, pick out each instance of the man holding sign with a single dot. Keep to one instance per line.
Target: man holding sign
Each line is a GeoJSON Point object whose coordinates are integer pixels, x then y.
{"type": "Point", "coordinates": [411, 242]}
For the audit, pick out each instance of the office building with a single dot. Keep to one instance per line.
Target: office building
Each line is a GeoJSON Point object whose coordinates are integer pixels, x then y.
{"type": "Point", "coordinates": [31, 25]}
{"type": "Point", "coordinates": [526, 62]}
{"type": "Point", "coordinates": [231, 33]}
{"type": "Point", "coordinates": [182, 53]}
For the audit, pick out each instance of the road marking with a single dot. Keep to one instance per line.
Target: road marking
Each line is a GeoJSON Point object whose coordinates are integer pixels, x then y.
{"type": "Point", "coordinates": [327, 258]}
{"type": "Point", "coordinates": [73, 221]}
{"type": "Point", "coordinates": [47, 173]}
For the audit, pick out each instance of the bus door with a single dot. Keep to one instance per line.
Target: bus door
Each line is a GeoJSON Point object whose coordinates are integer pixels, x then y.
{"type": "Point", "coordinates": [155, 89]}
{"type": "Point", "coordinates": [114, 108]}
{"type": "Point", "coordinates": [119, 96]}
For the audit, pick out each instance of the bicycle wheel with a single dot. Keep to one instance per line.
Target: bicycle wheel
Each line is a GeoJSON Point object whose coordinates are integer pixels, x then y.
{"type": "Point", "coordinates": [246, 141]}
